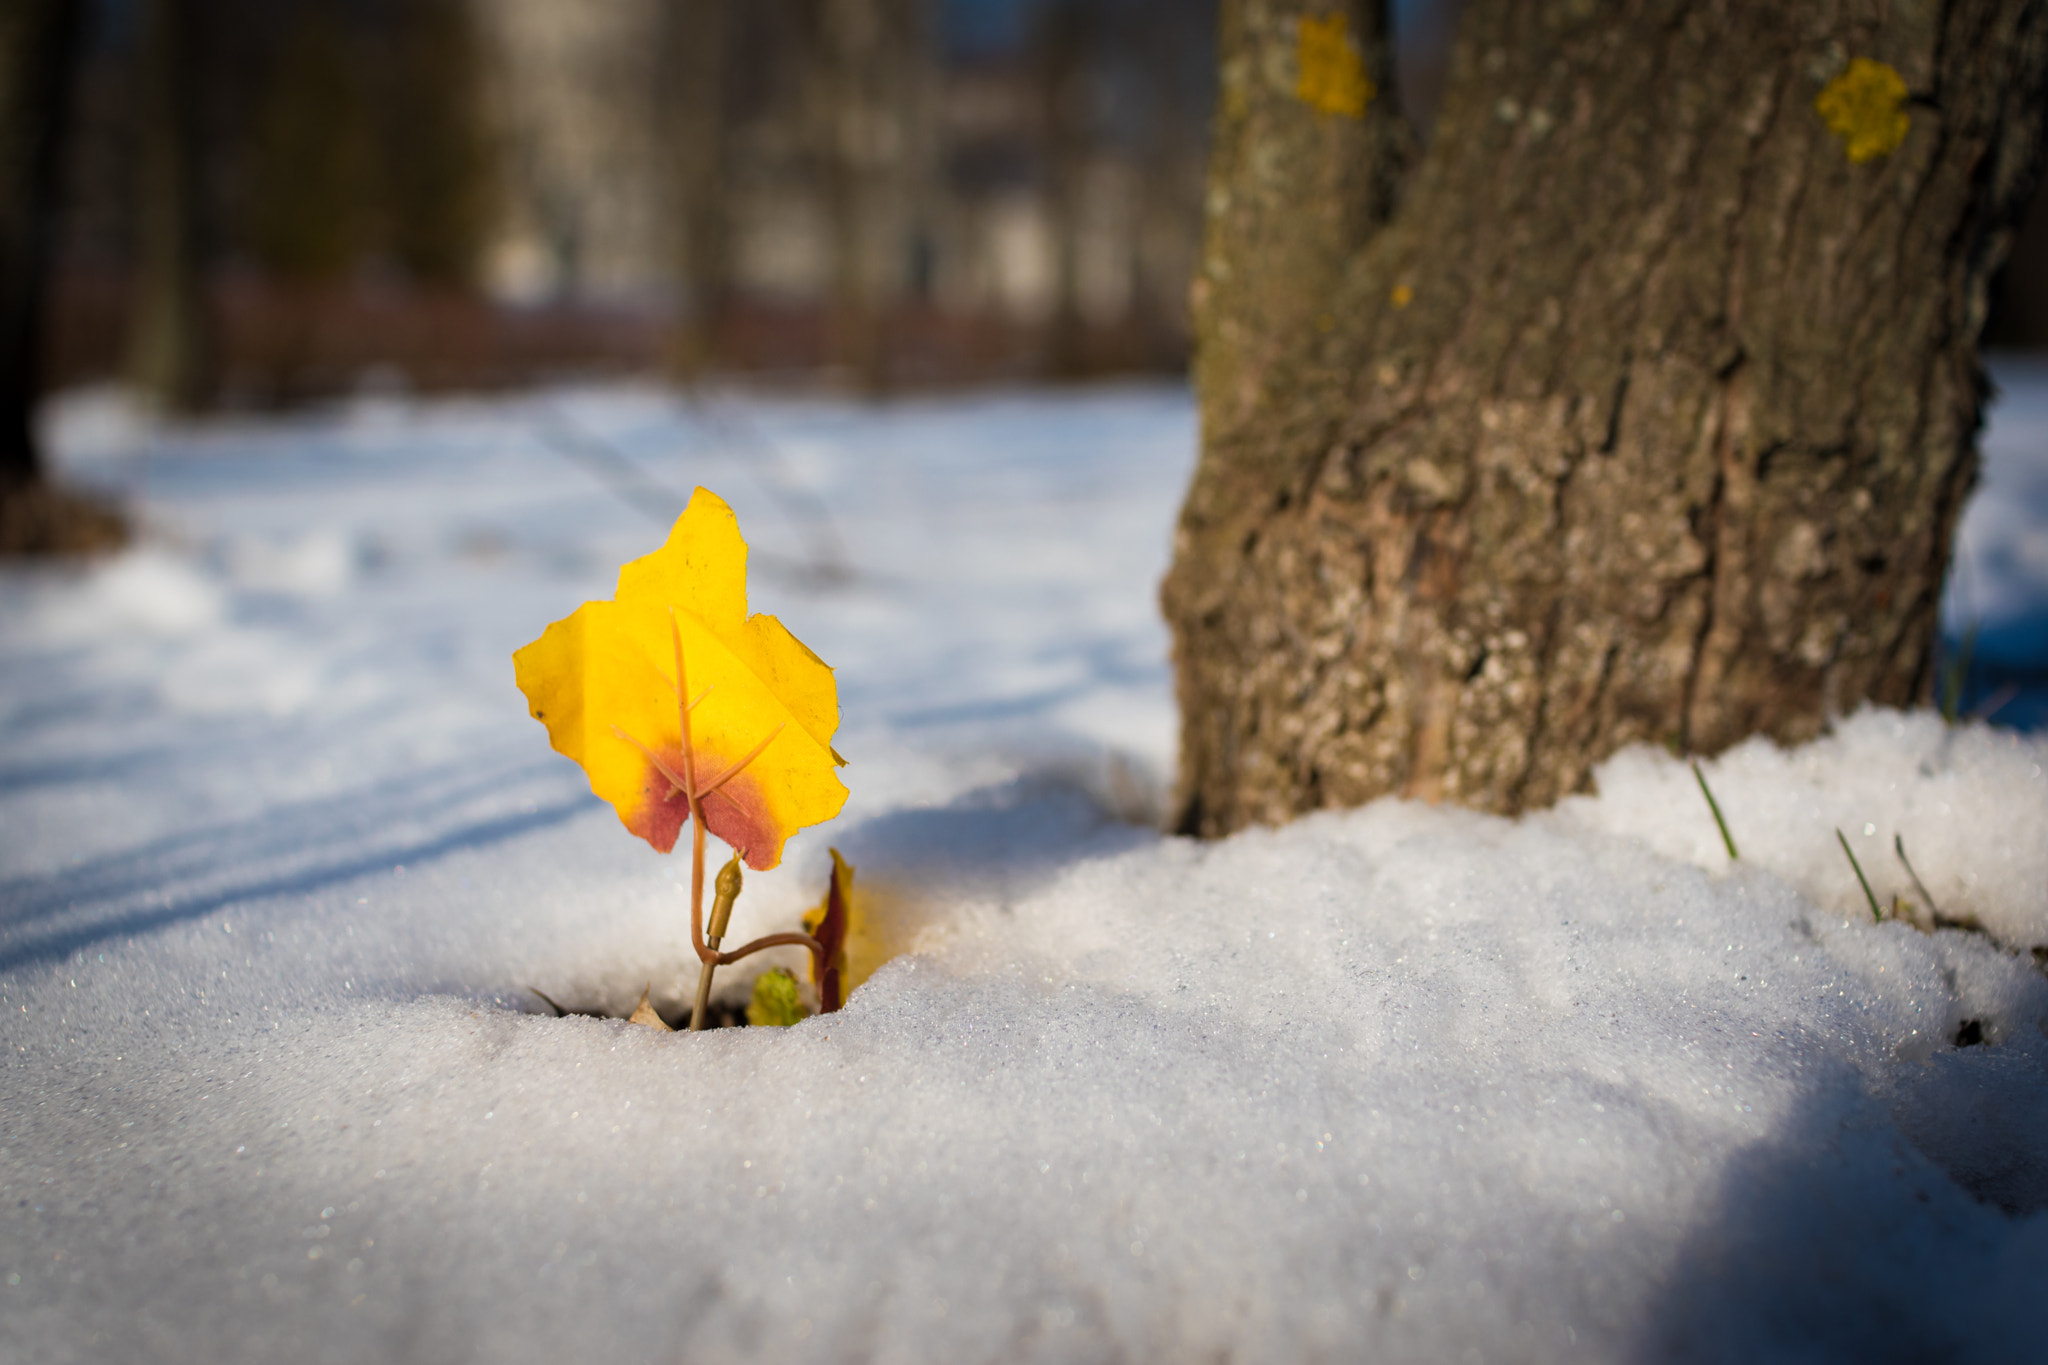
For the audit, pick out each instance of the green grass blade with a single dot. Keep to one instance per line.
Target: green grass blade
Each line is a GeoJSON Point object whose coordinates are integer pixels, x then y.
{"type": "Point", "coordinates": [1869, 895]}
{"type": "Point", "coordinates": [1899, 846]}
{"type": "Point", "coordinates": [1727, 839]}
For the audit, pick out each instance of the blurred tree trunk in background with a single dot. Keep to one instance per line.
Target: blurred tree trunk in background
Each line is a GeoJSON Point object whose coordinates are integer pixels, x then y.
{"type": "Point", "coordinates": [169, 340]}
{"type": "Point", "coordinates": [1066, 41]}
{"type": "Point", "coordinates": [868, 68]}
{"type": "Point", "coordinates": [1642, 409]}
{"type": "Point", "coordinates": [39, 43]}
{"type": "Point", "coordinates": [1169, 178]}
{"type": "Point", "coordinates": [698, 35]}
{"type": "Point", "coordinates": [437, 158]}
{"type": "Point", "coordinates": [313, 173]}
{"type": "Point", "coordinates": [40, 48]}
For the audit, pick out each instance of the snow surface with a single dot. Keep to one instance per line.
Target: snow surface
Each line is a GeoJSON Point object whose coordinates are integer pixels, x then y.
{"type": "Point", "coordinates": [281, 855]}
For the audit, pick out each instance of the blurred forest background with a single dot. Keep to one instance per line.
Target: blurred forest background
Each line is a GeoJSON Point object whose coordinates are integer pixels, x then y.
{"type": "Point", "coordinates": [269, 201]}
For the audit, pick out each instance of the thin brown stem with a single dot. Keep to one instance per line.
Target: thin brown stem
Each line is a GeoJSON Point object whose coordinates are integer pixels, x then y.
{"type": "Point", "coordinates": [776, 941]}
{"type": "Point", "coordinates": [770, 941]}
{"type": "Point", "coordinates": [703, 1002]}
{"type": "Point", "coordinates": [707, 956]}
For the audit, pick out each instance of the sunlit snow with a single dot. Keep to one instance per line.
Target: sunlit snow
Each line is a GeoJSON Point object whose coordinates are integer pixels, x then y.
{"type": "Point", "coordinates": [283, 862]}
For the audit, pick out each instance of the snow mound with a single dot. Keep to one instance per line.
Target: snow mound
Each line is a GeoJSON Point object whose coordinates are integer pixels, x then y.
{"type": "Point", "coordinates": [283, 863]}
{"type": "Point", "coordinates": [1968, 803]}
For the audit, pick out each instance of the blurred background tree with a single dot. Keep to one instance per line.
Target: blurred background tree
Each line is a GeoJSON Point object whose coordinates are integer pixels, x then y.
{"type": "Point", "coordinates": [270, 201]}
{"type": "Point", "coordinates": [437, 152]}
{"type": "Point", "coordinates": [313, 182]}
{"type": "Point", "coordinates": [170, 348]}
{"type": "Point", "coordinates": [40, 46]}
{"type": "Point", "coordinates": [701, 59]}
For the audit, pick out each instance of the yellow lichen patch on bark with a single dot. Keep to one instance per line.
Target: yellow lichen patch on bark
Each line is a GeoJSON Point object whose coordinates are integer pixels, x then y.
{"type": "Point", "coordinates": [1862, 108]}
{"type": "Point", "coordinates": [1332, 79]}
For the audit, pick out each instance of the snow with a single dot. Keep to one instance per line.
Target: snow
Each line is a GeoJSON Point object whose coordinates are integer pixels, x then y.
{"type": "Point", "coordinates": [281, 857]}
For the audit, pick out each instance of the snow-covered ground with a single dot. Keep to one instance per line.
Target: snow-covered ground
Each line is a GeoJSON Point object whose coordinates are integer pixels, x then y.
{"type": "Point", "coordinates": [281, 855]}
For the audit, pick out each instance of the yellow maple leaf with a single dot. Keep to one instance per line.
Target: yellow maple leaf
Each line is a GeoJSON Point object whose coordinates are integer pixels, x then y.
{"type": "Point", "coordinates": [603, 680]}
{"type": "Point", "coordinates": [1332, 76]}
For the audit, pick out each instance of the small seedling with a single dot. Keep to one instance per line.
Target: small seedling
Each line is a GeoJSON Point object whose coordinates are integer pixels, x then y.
{"type": "Point", "coordinates": [671, 675]}
{"type": "Point", "coordinates": [1869, 895]}
{"type": "Point", "coordinates": [1727, 839]}
{"type": "Point", "coordinates": [776, 1002]}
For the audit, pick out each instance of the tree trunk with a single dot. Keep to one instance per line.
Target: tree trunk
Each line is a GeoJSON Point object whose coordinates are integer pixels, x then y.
{"type": "Point", "coordinates": [1646, 416]}
{"type": "Point", "coordinates": [39, 41]}
{"type": "Point", "coordinates": [169, 355]}
{"type": "Point", "coordinates": [867, 71]}
{"type": "Point", "coordinates": [1066, 42]}
{"type": "Point", "coordinates": [699, 39]}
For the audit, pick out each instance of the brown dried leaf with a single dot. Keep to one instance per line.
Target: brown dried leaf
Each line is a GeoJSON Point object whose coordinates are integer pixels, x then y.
{"type": "Point", "coordinates": [643, 1013]}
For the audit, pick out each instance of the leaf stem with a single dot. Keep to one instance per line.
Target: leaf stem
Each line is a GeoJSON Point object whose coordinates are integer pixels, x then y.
{"type": "Point", "coordinates": [772, 941]}
{"type": "Point", "coordinates": [707, 957]}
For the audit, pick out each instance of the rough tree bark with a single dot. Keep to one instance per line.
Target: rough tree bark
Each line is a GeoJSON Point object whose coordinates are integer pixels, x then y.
{"type": "Point", "coordinates": [1640, 410]}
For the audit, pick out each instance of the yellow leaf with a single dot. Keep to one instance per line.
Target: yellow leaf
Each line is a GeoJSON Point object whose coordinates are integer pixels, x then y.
{"type": "Point", "coordinates": [602, 680]}
{"type": "Point", "coordinates": [1862, 107]}
{"type": "Point", "coordinates": [1332, 79]}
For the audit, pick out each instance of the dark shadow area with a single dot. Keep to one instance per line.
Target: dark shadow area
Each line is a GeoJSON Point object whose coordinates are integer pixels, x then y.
{"type": "Point", "coordinates": [1838, 1240]}
{"type": "Point", "coordinates": [35, 774]}
{"type": "Point", "coordinates": [726, 1010]}
{"type": "Point", "coordinates": [995, 846]}
{"type": "Point", "coordinates": [290, 849]}
{"type": "Point", "coordinates": [1016, 835]}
